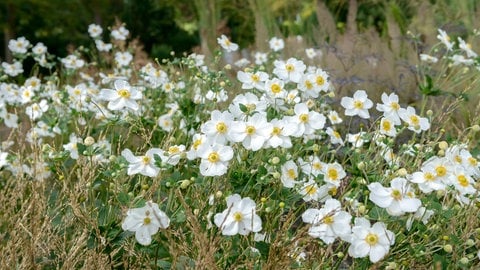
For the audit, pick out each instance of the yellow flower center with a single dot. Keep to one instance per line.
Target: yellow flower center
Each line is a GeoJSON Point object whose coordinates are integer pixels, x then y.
{"type": "Point", "coordinates": [462, 180]}
{"type": "Point", "coordinates": [397, 194]}
{"type": "Point", "coordinates": [173, 150]}
{"type": "Point", "coordinates": [289, 67]}
{"type": "Point", "coordinates": [386, 125]}
{"type": "Point", "coordinates": [303, 118]}
{"type": "Point", "coordinates": [332, 174]}
{"type": "Point", "coordinates": [250, 130]}
{"type": "Point", "coordinates": [77, 91]}
{"type": "Point", "coordinates": [458, 159]}
{"type": "Point", "coordinates": [394, 105]}
{"type": "Point", "coordinates": [357, 104]}
{"type": "Point", "coordinates": [276, 131]}
{"type": "Point", "coordinates": [275, 88]}
{"type": "Point", "coordinates": [124, 93]}
{"type": "Point", "coordinates": [473, 161]}
{"type": "Point", "coordinates": [415, 120]}
{"type": "Point", "coordinates": [308, 84]}
{"type": "Point", "coordinates": [213, 157]}
{"type": "Point", "coordinates": [441, 170]}
{"type": "Point", "coordinates": [320, 80]}
{"type": "Point", "coordinates": [147, 221]}
{"type": "Point", "coordinates": [237, 216]}
{"type": "Point", "coordinates": [197, 143]}
{"type": "Point", "coordinates": [336, 135]}
{"type": "Point", "coordinates": [311, 189]}
{"type": "Point", "coordinates": [317, 166]}
{"type": "Point", "coordinates": [146, 159]}
{"type": "Point", "coordinates": [221, 127]}
{"type": "Point", "coordinates": [255, 78]}
{"type": "Point", "coordinates": [328, 220]}
{"type": "Point", "coordinates": [429, 176]}
{"type": "Point", "coordinates": [332, 191]}
{"type": "Point", "coordinates": [291, 174]}
{"type": "Point", "coordinates": [371, 239]}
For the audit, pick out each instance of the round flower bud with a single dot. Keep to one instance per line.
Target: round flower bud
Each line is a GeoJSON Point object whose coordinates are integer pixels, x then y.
{"type": "Point", "coordinates": [340, 254]}
{"type": "Point", "coordinates": [184, 184]}
{"type": "Point", "coordinates": [218, 194]}
{"type": "Point", "coordinates": [402, 172]}
{"type": "Point", "coordinates": [448, 248]}
{"type": "Point", "coordinates": [443, 145]}
{"type": "Point", "coordinates": [275, 160]}
{"type": "Point", "coordinates": [429, 113]}
{"type": "Point", "coordinates": [89, 141]}
{"type": "Point", "coordinates": [476, 128]}
{"type": "Point", "coordinates": [263, 200]}
{"type": "Point", "coordinates": [281, 205]}
{"type": "Point", "coordinates": [361, 165]}
{"type": "Point", "coordinates": [464, 260]}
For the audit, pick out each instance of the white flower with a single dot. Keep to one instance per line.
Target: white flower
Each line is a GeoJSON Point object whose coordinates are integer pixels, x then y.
{"type": "Point", "coordinates": [72, 146]}
{"type": "Point", "coordinates": [358, 105]}
{"type": "Point", "coordinates": [36, 110]}
{"type": "Point", "coordinates": [145, 222]}
{"type": "Point", "coordinates": [274, 89]}
{"type": "Point", "coordinates": [428, 58]}
{"type": "Point", "coordinates": [123, 58]}
{"type": "Point", "coordinates": [12, 69]}
{"type": "Point", "coordinates": [165, 122]}
{"type": "Point", "coordinates": [214, 159]}
{"type": "Point", "coordinates": [445, 39]}
{"type": "Point", "coordinates": [422, 214]}
{"type": "Point", "coordinates": [102, 46]}
{"type": "Point", "coordinates": [373, 241]}
{"type": "Point", "coordinates": [357, 139]}
{"type": "Point", "coordinates": [281, 131]}
{"type": "Point", "coordinates": [289, 174]}
{"type": "Point", "coordinates": [311, 191]}
{"type": "Point", "coordinates": [19, 45]}
{"type": "Point", "coordinates": [3, 159]}
{"type": "Point", "coordinates": [173, 154]}
{"type": "Point", "coordinates": [390, 108]}
{"type": "Point", "coordinates": [198, 140]}
{"type": "Point", "coordinates": [260, 58]}
{"type": "Point", "coordinates": [397, 199]}
{"type": "Point", "coordinates": [120, 34]}
{"type": "Point", "coordinates": [334, 118]}
{"type": "Point", "coordinates": [94, 30]}
{"type": "Point", "coordinates": [276, 44]}
{"type": "Point", "coordinates": [72, 62]}
{"type": "Point", "coordinates": [335, 137]}
{"type": "Point", "coordinates": [308, 121]}
{"type": "Point", "coordinates": [329, 222]}
{"type": "Point", "coordinates": [247, 104]}
{"type": "Point", "coordinates": [239, 217]}
{"type": "Point", "coordinates": [312, 165]}
{"type": "Point", "coordinates": [387, 127]}
{"type": "Point", "coordinates": [333, 173]}
{"type": "Point", "coordinates": [467, 48]}
{"type": "Point", "coordinates": [312, 53]}
{"type": "Point", "coordinates": [290, 71]}
{"type": "Point", "coordinates": [123, 96]}
{"type": "Point", "coordinates": [415, 122]}
{"type": "Point", "coordinates": [218, 127]}
{"type": "Point", "coordinates": [227, 44]}
{"type": "Point", "coordinates": [252, 80]}
{"type": "Point", "coordinates": [39, 49]}
{"type": "Point", "coordinates": [144, 165]}
{"type": "Point", "coordinates": [252, 133]}
{"type": "Point", "coordinates": [460, 59]}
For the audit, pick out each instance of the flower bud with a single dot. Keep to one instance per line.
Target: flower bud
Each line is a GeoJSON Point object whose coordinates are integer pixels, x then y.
{"type": "Point", "coordinates": [448, 248]}
{"type": "Point", "coordinates": [89, 141]}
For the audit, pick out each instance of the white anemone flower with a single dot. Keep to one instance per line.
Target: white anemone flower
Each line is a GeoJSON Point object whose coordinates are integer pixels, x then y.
{"type": "Point", "coordinates": [290, 71]}
{"type": "Point", "coordinates": [145, 222]}
{"type": "Point", "coordinates": [397, 199]}
{"type": "Point", "coordinates": [329, 222]}
{"type": "Point", "coordinates": [239, 218]}
{"type": "Point", "coordinates": [227, 44]}
{"type": "Point", "coordinates": [144, 165]}
{"type": "Point", "coordinates": [358, 105]}
{"type": "Point", "coordinates": [214, 159]}
{"type": "Point", "coordinates": [252, 133]}
{"type": "Point", "coordinates": [123, 96]}
{"type": "Point", "coordinates": [373, 241]}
